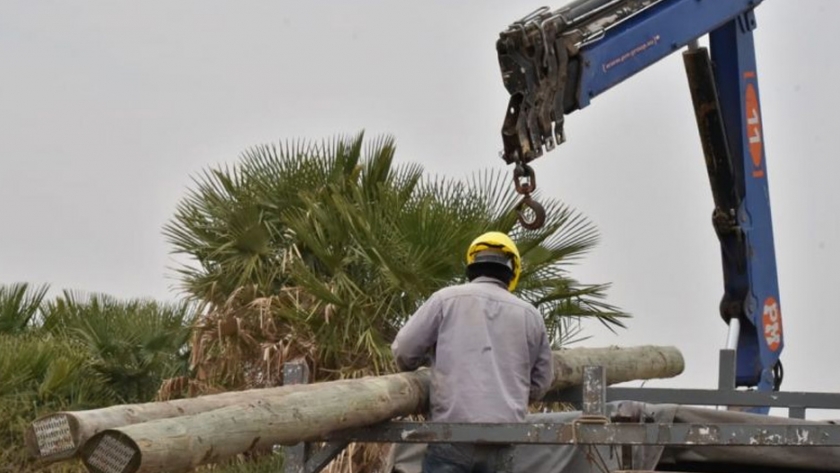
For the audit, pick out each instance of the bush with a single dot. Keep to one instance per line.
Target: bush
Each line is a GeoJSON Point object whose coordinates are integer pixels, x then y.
{"type": "Point", "coordinates": [80, 352]}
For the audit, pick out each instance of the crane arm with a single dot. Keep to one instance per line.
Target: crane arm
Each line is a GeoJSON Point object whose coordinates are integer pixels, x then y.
{"type": "Point", "coordinates": [556, 62]}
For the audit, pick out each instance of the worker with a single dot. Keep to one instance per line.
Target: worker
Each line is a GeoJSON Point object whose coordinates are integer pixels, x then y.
{"type": "Point", "coordinates": [488, 350]}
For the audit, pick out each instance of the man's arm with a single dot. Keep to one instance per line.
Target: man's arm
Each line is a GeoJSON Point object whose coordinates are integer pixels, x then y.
{"type": "Point", "coordinates": [542, 366]}
{"type": "Point", "coordinates": [417, 336]}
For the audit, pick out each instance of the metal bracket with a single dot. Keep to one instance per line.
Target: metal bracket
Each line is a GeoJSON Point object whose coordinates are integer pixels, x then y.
{"type": "Point", "coordinates": [323, 456]}
{"type": "Point", "coordinates": [746, 22]}
{"type": "Point", "coordinates": [301, 458]}
{"type": "Point", "coordinates": [595, 407]}
{"type": "Point", "coordinates": [316, 460]}
{"type": "Point", "coordinates": [295, 372]}
{"type": "Point", "coordinates": [726, 370]}
{"type": "Point", "coordinates": [595, 392]}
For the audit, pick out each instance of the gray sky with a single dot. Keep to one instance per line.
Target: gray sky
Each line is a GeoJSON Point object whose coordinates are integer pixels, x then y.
{"type": "Point", "coordinates": [107, 108]}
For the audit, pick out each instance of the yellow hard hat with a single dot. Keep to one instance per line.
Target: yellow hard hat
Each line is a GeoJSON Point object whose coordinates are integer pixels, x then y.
{"type": "Point", "coordinates": [500, 242]}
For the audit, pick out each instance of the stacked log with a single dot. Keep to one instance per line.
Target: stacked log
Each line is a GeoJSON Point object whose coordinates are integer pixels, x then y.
{"type": "Point", "coordinates": [180, 435]}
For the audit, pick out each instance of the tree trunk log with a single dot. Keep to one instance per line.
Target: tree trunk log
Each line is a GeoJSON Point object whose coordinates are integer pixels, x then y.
{"type": "Point", "coordinates": [59, 436]}
{"type": "Point", "coordinates": [181, 443]}
{"type": "Point", "coordinates": [622, 364]}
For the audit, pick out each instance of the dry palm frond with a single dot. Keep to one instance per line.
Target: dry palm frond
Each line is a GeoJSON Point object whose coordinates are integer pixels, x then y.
{"type": "Point", "coordinates": [360, 458]}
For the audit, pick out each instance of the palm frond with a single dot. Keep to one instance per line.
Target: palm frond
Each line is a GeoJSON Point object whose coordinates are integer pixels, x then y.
{"type": "Point", "coordinates": [345, 244]}
{"type": "Point", "coordinates": [134, 344]}
{"type": "Point", "coordinates": [19, 306]}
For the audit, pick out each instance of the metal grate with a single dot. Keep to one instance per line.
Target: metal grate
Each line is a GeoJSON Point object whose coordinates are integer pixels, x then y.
{"type": "Point", "coordinates": [110, 455]}
{"type": "Point", "coordinates": [53, 435]}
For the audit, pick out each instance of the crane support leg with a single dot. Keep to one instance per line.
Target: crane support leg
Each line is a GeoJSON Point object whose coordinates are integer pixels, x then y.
{"type": "Point", "coordinates": [724, 90]}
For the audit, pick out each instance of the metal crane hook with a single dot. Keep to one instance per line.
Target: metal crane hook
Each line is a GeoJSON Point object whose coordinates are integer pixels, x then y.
{"type": "Point", "coordinates": [530, 213]}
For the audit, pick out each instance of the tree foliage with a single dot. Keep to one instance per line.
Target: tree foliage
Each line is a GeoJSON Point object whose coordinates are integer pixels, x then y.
{"type": "Point", "coordinates": [314, 250]}
{"type": "Point", "coordinates": [75, 352]}
{"type": "Point", "coordinates": [322, 250]}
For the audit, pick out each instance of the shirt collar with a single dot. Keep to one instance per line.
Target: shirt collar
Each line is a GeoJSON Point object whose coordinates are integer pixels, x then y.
{"type": "Point", "coordinates": [488, 279]}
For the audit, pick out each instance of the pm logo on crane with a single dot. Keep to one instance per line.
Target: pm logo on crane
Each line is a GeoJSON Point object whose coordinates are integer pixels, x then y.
{"type": "Point", "coordinates": [754, 131]}
{"type": "Point", "coordinates": [772, 321]}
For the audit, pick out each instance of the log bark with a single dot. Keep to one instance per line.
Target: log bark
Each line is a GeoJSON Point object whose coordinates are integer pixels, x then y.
{"type": "Point", "coordinates": [59, 436]}
{"type": "Point", "coordinates": [622, 364]}
{"type": "Point", "coordinates": [181, 443]}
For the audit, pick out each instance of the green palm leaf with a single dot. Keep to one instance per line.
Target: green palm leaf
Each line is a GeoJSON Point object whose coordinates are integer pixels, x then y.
{"type": "Point", "coordinates": [19, 306]}
{"type": "Point", "coordinates": [134, 344]}
{"type": "Point", "coordinates": [323, 249]}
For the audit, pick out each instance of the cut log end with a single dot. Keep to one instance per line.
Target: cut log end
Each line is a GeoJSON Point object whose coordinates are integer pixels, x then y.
{"type": "Point", "coordinates": [111, 451]}
{"type": "Point", "coordinates": [52, 438]}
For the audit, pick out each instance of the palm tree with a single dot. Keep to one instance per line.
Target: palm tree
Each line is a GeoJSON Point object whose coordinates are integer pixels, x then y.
{"type": "Point", "coordinates": [322, 250]}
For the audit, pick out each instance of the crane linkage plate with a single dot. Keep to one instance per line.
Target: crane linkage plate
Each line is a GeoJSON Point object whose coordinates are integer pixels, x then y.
{"type": "Point", "coordinates": [535, 56]}
{"type": "Point", "coordinates": [533, 71]}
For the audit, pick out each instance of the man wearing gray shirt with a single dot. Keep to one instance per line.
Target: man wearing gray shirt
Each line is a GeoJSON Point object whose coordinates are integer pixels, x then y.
{"type": "Point", "coordinates": [489, 351]}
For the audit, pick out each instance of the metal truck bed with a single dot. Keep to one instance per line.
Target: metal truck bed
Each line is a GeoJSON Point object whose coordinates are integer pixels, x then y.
{"type": "Point", "coordinates": [656, 430]}
{"type": "Point", "coordinates": [763, 457]}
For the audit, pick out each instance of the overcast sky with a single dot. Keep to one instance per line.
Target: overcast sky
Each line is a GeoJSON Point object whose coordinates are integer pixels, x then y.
{"type": "Point", "coordinates": [108, 108]}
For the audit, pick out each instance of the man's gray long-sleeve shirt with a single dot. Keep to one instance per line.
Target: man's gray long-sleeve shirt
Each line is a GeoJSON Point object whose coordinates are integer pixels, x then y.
{"type": "Point", "coordinates": [489, 348]}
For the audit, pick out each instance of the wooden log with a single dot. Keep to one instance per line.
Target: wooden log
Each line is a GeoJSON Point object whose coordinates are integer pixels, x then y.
{"type": "Point", "coordinates": [183, 443]}
{"type": "Point", "coordinates": [59, 436]}
{"type": "Point", "coordinates": [622, 364]}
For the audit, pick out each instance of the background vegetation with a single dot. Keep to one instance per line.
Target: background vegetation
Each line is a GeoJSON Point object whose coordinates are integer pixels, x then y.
{"type": "Point", "coordinates": [77, 351]}
{"type": "Point", "coordinates": [317, 251]}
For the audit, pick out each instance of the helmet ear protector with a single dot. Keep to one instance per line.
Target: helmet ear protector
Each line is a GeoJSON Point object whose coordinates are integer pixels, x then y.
{"type": "Point", "coordinates": [494, 254]}
{"type": "Point", "coordinates": [492, 263]}
{"type": "Point", "coordinates": [493, 257]}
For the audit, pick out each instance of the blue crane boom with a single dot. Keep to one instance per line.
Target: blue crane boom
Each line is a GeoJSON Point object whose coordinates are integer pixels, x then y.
{"type": "Point", "coordinates": [556, 62]}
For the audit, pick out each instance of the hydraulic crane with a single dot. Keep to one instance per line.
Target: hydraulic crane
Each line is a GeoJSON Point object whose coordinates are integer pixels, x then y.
{"type": "Point", "coordinates": [554, 62]}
